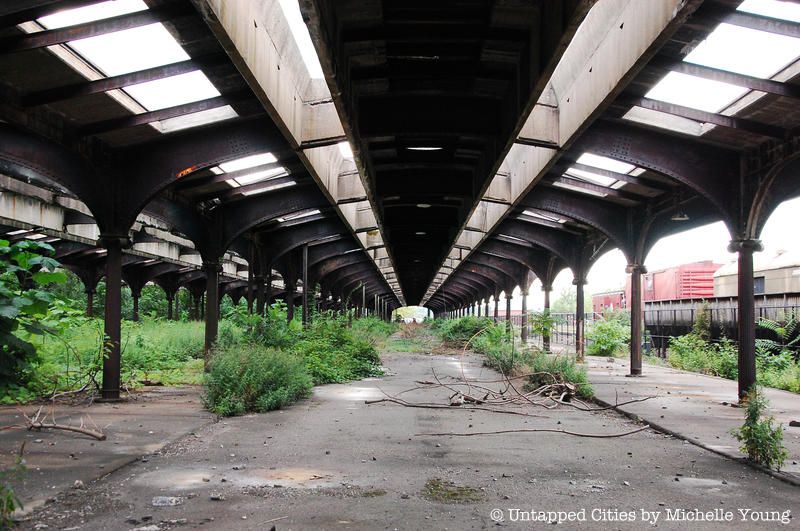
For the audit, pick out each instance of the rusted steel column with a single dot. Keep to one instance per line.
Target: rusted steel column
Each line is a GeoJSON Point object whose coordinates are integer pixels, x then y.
{"type": "Point", "coordinates": [178, 304]}
{"type": "Point", "coordinates": [546, 288]}
{"type": "Point", "coordinates": [747, 314]}
{"type": "Point", "coordinates": [90, 303]}
{"type": "Point", "coordinates": [486, 307]}
{"type": "Point", "coordinates": [113, 315]}
{"type": "Point", "coordinates": [363, 310]}
{"type": "Point", "coordinates": [580, 344]}
{"type": "Point", "coordinates": [478, 304]}
{"type": "Point", "coordinates": [260, 301]}
{"type": "Point", "coordinates": [250, 290]}
{"type": "Point", "coordinates": [524, 331]}
{"type": "Point", "coordinates": [170, 302]}
{"type": "Point", "coordinates": [212, 269]}
{"type": "Point", "coordinates": [135, 295]}
{"type": "Point", "coordinates": [305, 285]}
{"type": "Point", "coordinates": [496, 305]}
{"type": "Point", "coordinates": [636, 271]}
{"type": "Point", "coordinates": [509, 328]}
{"type": "Point", "coordinates": [268, 291]}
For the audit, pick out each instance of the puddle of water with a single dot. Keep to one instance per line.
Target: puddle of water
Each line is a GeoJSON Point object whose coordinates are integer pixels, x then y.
{"type": "Point", "coordinates": [187, 479]}
{"type": "Point", "coordinates": [358, 394]}
{"type": "Point", "coordinates": [304, 478]}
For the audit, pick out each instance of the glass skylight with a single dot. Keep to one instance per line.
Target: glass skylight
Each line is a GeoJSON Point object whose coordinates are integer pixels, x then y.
{"type": "Point", "coordinates": [605, 163]}
{"type": "Point", "coordinates": [130, 50]}
{"type": "Point", "coordinates": [299, 215]}
{"type": "Point", "coordinates": [291, 10]}
{"type": "Point", "coordinates": [269, 188]}
{"type": "Point", "coordinates": [537, 215]}
{"type": "Point", "coordinates": [195, 119]}
{"type": "Point", "coordinates": [172, 91]}
{"type": "Point", "coordinates": [602, 180]}
{"type": "Point", "coordinates": [255, 177]}
{"type": "Point", "coordinates": [578, 189]}
{"type": "Point", "coordinates": [746, 51]}
{"type": "Point", "coordinates": [695, 92]}
{"type": "Point", "coordinates": [772, 8]}
{"type": "Point", "coordinates": [345, 150]}
{"type": "Point", "coordinates": [71, 17]}
{"type": "Point", "coordinates": [250, 161]}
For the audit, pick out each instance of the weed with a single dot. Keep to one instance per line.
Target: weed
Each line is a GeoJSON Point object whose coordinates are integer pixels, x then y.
{"type": "Point", "coordinates": [443, 491]}
{"type": "Point", "coordinates": [761, 440]}
{"type": "Point", "coordinates": [251, 377]}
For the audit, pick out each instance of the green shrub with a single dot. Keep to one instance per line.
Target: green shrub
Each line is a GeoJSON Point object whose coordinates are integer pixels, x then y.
{"type": "Point", "coordinates": [761, 440]}
{"type": "Point", "coordinates": [608, 336]}
{"type": "Point", "coordinates": [334, 353]}
{"type": "Point", "coordinates": [542, 365]}
{"type": "Point", "coordinates": [373, 330]}
{"type": "Point", "coordinates": [461, 330]}
{"type": "Point", "coordinates": [252, 378]}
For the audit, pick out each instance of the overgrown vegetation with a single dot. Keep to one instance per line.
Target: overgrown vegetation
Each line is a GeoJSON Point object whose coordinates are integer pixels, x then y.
{"type": "Point", "coordinates": [9, 501]}
{"type": "Point", "coordinates": [254, 378]}
{"type": "Point", "coordinates": [444, 491]}
{"type": "Point", "coordinates": [761, 440]}
{"type": "Point", "coordinates": [610, 335]}
{"type": "Point", "coordinates": [506, 355]}
{"type": "Point", "coordinates": [776, 360]}
{"type": "Point", "coordinates": [48, 345]}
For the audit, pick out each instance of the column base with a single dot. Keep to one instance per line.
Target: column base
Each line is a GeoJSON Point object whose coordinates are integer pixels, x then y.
{"type": "Point", "coordinates": [634, 374]}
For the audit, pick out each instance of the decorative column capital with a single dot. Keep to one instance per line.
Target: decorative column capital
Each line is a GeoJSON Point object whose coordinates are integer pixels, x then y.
{"type": "Point", "coordinates": [751, 244]}
{"type": "Point", "coordinates": [638, 269]}
{"type": "Point", "coordinates": [579, 281]}
{"type": "Point", "coordinates": [548, 287]}
{"type": "Point", "coordinates": [212, 266]}
{"type": "Point", "coordinates": [108, 240]}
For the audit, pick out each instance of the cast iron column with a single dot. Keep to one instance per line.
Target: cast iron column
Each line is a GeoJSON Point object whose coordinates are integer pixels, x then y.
{"type": "Point", "coordinates": [135, 294]}
{"type": "Point", "coordinates": [305, 285]}
{"type": "Point", "coordinates": [212, 270]}
{"type": "Point", "coordinates": [747, 314]}
{"type": "Point", "coordinates": [268, 292]}
{"type": "Point", "coordinates": [496, 305]}
{"type": "Point", "coordinates": [90, 303]}
{"type": "Point", "coordinates": [113, 316]}
{"type": "Point", "coordinates": [259, 280]}
{"type": "Point", "coordinates": [580, 315]}
{"type": "Point", "coordinates": [363, 311]}
{"type": "Point", "coordinates": [636, 271]}
{"type": "Point", "coordinates": [509, 328]}
{"type": "Point", "coordinates": [486, 307]}
{"type": "Point", "coordinates": [524, 331]}
{"type": "Point", "coordinates": [170, 302]}
{"type": "Point", "coordinates": [546, 333]}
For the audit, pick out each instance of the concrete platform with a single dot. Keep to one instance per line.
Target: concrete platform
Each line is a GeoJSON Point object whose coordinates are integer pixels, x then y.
{"type": "Point", "coordinates": [695, 407]}
{"type": "Point", "coordinates": [334, 462]}
{"type": "Point", "coordinates": [137, 427]}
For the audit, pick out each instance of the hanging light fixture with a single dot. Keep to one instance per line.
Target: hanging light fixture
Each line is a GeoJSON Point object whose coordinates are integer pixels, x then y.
{"type": "Point", "coordinates": [680, 215]}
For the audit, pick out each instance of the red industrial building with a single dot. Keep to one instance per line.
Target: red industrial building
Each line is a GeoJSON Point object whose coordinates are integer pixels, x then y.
{"type": "Point", "coordinates": [695, 280]}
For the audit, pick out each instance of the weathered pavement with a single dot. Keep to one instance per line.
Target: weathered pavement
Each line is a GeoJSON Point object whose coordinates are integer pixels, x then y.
{"type": "Point", "coordinates": [333, 462]}
{"type": "Point", "coordinates": [695, 407]}
{"type": "Point", "coordinates": [55, 460]}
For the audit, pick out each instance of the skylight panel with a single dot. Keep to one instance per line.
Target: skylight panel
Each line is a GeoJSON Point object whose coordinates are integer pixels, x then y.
{"type": "Point", "coordinates": [695, 92]}
{"type": "Point", "coordinates": [255, 177]}
{"type": "Point", "coordinates": [269, 188]}
{"type": "Point", "coordinates": [665, 121]}
{"type": "Point", "coordinates": [71, 17]}
{"type": "Point", "coordinates": [602, 180]}
{"type": "Point", "coordinates": [554, 219]}
{"type": "Point", "coordinates": [605, 163]}
{"type": "Point", "coordinates": [299, 215]}
{"type": "Point", "coordinates": [772, 8]}
{"type": "Point", "coordinates": [130, 50]}
{"type": "Point", "coordinates": [172, 91]}
{"type": "Point", "coordinates": [345, 150]}
{"type": "Point", "coordinates": [746, 51]}
{"type": "Point", "coordinates": [291, 10]}
{"type": "Point", "coordinates": [578, 189]}
{"type": "Point", "coordinates": [196, 119]}
{"type": "Point", "coordinates": [250, 161]}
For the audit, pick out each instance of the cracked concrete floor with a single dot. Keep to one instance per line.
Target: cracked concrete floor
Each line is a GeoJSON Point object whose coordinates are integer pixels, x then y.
{"type": "Point", "coordinates": [334, 462]}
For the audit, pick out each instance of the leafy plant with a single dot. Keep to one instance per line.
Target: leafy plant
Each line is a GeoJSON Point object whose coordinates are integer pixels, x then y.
{"type": "Point", "coordinates": [25, 269]}
{"type": "Point", "coordinates": [784, 347]}
{"type": "Point", "coordinates": [9, 501]}
{"type": "Point", "coordinates": [608, 336]}
{"type": "Point", "coordinates": [761, 440]}
{"type": "Point", "coordinates": [702, 322]}
{"type": "Point", "coordinates": [254, 378]}
{"type": "Point", "coordinates": [543, 323]}
{"type": "Point", "coordinates": [542, 366]}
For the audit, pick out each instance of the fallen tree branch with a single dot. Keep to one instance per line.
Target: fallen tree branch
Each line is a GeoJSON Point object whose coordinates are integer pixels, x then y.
{"type": "Point", "coordinates": [34, 423]}
{"type": "Point", "coordinates": [531, 430]}
{"type": "Point", "coordinates": [441, 406]}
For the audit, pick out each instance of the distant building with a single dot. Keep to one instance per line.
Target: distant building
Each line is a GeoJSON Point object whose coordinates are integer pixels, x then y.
{"type": "Point", "coordinates": [777, 272]}
{"type": "Point", "coordinates": [695, 280]}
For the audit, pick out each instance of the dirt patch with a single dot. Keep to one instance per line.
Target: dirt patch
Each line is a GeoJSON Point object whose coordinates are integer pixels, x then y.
{"type": "Point", "coordinates": [443, 491]}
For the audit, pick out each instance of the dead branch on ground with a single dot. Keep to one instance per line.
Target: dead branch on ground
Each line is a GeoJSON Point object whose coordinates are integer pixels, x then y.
{"type": "Point", "coordinates": [39, 422]}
